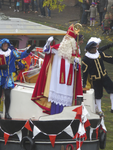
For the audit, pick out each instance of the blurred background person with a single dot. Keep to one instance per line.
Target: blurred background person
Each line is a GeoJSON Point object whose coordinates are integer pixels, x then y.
{"type": "Point", "coordinates": [102, 9]}
{"type": "Point", "coordinates": [42, 9]}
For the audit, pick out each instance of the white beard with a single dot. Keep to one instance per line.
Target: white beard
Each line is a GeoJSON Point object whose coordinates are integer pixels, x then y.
{"type": "Point", "coordinates": [67, 47]}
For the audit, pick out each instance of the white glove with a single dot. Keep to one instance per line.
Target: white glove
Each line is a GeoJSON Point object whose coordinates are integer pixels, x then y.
{"type": "Point", "coordinates": [46, 48]}
{"type": "Point", "coordinates": [50, 39]}
{"type": "Point", "coordinates": [76, 60]}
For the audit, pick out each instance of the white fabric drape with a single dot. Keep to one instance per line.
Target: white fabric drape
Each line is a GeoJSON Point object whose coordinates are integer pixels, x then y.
{"type": "Point", "coordinates": [61, 94]}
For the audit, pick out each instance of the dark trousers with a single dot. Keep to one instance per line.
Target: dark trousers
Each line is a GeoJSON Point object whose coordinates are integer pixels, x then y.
{"type": "Point", "coordinates": [10, 3]}
{"type": "Point", "coordinates": [101, 16]}
{"type": "Point", "coordinates": [42, 9]}
{"type": "Point", "coordinates": [7, 93]}
{"type": "Point", "coordinates": [84, 14]}
{"type": "Point", "coordinates": [35, 5]}
{"type": "Point", "coordinates": [49, 11]}
{"type": "Point", "coordinates": [0, 4]}
{"type": "Point", "coordinates": [98, 85]}
{"type": "Point", "coordinates": [22, 5]}
{"type": "Point", "coordinates": [15, 1]}
{"type": "Point", "coordinates": [32, 4]}
{"type": "Point", "coordinates": [81, 10]}
{"type": "Point", "coordinates": [26, 6]}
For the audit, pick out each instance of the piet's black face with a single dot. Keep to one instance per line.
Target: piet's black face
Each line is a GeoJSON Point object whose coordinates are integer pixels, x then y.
{"type": "Point", "coordinates": [93, 50]}
{"type": "Point", "coordinates": [5, 46]}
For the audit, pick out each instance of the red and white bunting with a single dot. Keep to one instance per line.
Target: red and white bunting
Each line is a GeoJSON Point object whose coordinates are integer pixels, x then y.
{"type": "Point", "coordinates": [91, 131]}
{"type": "Point", "coordinates": [81, 129]}
{"type": "Point", "coordinates": [103, 125]}
{"type": "Point", "coordinates": [69, 131]}
{"type": "Point", "coordinates": [35, 131]}
{"type": "Point", "coordinates": [80, 136]}
{"type": "Point", "coordinates": [27, 126]}
{"type": "Point", "coordinates": [52, 139]}
{"type": "Point", "coordinates": [6, 136]}
{"type": "Point", "coordinates": [19, 134]}
{"type": "Point", "coordinates": [79, 113]}
{"type": "Point", "coordinates": [84, 123]}
{"type": "Point", "coordinates": [84, 113]}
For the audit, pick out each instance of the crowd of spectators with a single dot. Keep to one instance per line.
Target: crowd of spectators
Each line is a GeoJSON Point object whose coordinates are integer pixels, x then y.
{"type": "Point", "coordinates": [28, 6]}
{"type": "Point", "coordinates": [88, 10]}
{"type": "Point", "coordinates": [92, 8]}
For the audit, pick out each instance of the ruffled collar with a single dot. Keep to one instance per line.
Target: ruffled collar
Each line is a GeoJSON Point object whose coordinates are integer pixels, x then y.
{"type": "Point", "coordinates": [92, 56]}
{"type": "Point", "coordinates": [6, 54]}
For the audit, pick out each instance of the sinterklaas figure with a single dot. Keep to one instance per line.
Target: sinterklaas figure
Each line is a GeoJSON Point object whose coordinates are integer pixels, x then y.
{"type": "Point", "coordinates": [59, 81]}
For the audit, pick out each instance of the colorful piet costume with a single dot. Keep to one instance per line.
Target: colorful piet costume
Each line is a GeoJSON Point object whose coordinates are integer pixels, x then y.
{"type": "Point", "coordinates": [54, 88]}
{"type": "Point", "coordinates": [7, 67]}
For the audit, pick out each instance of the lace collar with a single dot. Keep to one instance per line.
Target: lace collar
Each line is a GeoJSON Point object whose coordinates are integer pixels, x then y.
{"type": "Point", "coordinates": [92, 56]}
{"type": "Point", "coordinates": [6, 54]}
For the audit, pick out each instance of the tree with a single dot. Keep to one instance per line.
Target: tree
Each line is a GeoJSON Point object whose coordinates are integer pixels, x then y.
{"type": "Point", "coordinates": [54, 4]}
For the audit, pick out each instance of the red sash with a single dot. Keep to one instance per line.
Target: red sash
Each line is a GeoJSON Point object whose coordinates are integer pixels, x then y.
{"type": "Point", "coordinates": [62, 71]}
{"type": "Point", "coordinates": [70, 75]}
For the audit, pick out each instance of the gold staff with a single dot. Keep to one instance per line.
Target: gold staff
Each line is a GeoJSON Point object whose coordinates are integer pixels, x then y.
{"type": "Point", "coordinates": [77, 27]}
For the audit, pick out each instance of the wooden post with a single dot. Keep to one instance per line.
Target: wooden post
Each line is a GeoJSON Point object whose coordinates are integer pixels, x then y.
{"type": "Point", "coordinates": [77, 30]}
{"type": "Point", "coordinates": [73, 103]}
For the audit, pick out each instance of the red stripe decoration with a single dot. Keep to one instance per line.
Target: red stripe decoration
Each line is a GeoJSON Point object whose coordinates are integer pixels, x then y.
{"type": "Point", "coordinates": [79, 113]}
{"type": "Point", "coordinates": [70, 75]}
{"type": "Point", "coordinates": [52, 139]}
{"type": "Point", "coordinates": [6, 136]}
{"type": "Point", "coordinates": [27, 126]}
{"type": "Point", "coordinates": [62, 71]}
{"type": "Point", "coordinates": [97, 133]}
{"type": "Point", "coordinates": [87, 124]}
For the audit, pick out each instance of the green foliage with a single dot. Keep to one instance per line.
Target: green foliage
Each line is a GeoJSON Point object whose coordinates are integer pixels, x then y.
{"type": "Point", "coordinates": [54, 4]}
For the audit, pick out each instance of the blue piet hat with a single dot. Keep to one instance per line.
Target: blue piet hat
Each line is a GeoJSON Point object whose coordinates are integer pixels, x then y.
{"type": "Point", "coordinates": [2, 41]}
{"type": "Point", "coordinates": [93, 3]}
{"type": "Point", "coordinates": [90, 45]}
{"type": "Point", "coordinates": [79, 37]}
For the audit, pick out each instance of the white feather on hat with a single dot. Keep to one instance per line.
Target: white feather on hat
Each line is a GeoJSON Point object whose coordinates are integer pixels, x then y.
{"type": "Point", "coordinates": [94, 39]}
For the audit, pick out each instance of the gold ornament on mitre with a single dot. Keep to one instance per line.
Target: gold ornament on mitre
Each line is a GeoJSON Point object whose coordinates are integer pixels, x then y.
{"type": "Point", "coordinates": [73, 30]}
{"type": "Point", "coordinates": [77, 28]}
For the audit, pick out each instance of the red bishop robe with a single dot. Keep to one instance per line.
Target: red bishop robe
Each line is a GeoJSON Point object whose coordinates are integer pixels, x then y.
{"type": "Point", "coordinates": [38, 93]}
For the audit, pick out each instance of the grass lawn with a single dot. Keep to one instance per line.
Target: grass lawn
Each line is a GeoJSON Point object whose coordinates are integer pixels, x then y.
{"type": "Point", "coordinates": [106, 107]}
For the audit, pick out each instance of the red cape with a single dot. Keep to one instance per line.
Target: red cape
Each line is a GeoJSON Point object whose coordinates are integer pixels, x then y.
{"type": "Point", "coordinates": [41, 81]}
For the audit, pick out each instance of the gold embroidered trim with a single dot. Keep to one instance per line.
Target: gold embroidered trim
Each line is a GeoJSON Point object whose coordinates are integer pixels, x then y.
{"type": "Point", "coordinates": [99, 56]}
{"type": "Point", "coordinates": [99, 77]}
{"type": "Point", "coordinates": [62, 78]}
{"type": "Point", "coordinates": [94, 76]}
{"type": "Point", "coordinates": [106, 56]}
{"type": "Point", "coordinates": [103, 74]}
{"type": "Point", "coordinates": [50, 61]}
{"type": "Point", "coordinates": [86, 67]}
{"type": "Point", "coordinates": [69, 82]}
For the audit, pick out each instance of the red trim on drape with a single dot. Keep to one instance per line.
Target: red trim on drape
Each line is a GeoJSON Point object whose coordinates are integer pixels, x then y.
{"type": "Point", "coordinates": [62, 71]}
{"type": "Point", "coordinates": [70, 75]}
